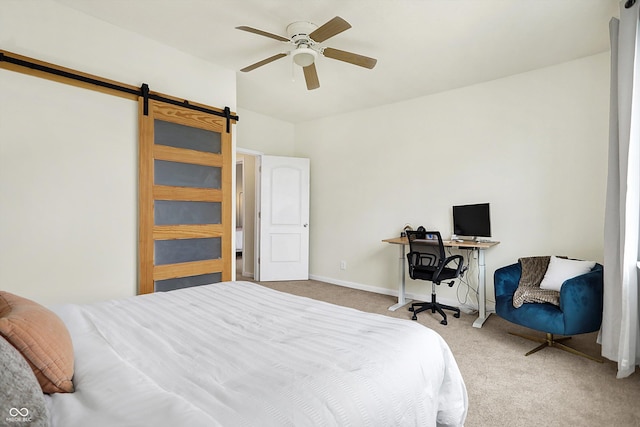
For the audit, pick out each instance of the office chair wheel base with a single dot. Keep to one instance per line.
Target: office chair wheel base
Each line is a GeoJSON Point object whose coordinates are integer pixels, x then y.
{"type": "Point", "coordinates": [411, 309]}
{"type": "Point", "coordinates": [414, 317]}
{"type": "Point", "coordinates": [444, 322]}
{"type": "Point", "coordinates": [456, 315]}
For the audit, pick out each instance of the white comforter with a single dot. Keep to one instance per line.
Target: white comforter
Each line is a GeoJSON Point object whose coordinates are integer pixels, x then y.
{"type": "Point", "coordinates": [239, 354]}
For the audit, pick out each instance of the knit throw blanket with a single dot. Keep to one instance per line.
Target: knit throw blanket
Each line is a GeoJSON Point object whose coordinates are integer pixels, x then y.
{"type": "Point", "coordinates": [533, 271]}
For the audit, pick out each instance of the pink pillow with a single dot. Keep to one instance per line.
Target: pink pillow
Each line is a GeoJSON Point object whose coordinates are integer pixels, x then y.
{"type": "Point", "coordinates": [42, 338]}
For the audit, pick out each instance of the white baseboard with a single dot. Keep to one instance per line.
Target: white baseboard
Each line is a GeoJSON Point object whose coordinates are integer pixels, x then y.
{"type": "Point", "coordinates": [383, 291]}
{"type": "Point", "coordinates": [354, 285]}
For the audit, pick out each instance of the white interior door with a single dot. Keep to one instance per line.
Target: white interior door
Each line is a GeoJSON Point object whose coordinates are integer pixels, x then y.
{"type": "Point", "coordinates": [284, 219]}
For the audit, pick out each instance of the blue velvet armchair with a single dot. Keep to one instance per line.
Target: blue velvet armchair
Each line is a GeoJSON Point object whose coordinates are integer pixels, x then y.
{"type": "Point", "coordinates": [580, 309]}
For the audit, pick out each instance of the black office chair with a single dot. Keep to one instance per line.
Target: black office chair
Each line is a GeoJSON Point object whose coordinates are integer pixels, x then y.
{"type": "Point", "coordinates": [427, 261]}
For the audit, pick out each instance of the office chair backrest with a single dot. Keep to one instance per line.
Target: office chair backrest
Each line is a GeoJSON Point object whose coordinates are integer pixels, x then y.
{"type": "Point", "coordinates": [427, 242]}
{"type": "Point", "coordinates": [426, 249]}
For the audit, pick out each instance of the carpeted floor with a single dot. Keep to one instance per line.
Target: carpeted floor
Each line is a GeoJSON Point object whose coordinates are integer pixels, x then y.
{"type": "Point", "coordinates": [507, 389]}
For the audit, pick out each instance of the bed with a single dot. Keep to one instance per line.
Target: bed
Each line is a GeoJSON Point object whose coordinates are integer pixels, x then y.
{"type": "Point", "coordinates": [240, 354]}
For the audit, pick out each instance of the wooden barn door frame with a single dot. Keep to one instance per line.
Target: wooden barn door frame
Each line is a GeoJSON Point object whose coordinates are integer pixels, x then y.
{"type": "Point", "coordinates": [149, 193]}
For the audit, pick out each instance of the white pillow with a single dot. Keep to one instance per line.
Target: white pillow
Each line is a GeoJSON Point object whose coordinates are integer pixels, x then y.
{"type": "Point", "coordinates": [561, 269]}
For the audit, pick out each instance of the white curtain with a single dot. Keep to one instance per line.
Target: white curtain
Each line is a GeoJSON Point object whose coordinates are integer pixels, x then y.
{"type": "Point", "coordinates": [619, 334]}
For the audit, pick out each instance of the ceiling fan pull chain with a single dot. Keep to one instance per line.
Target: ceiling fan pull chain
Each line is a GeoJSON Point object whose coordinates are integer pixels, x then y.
{"type": "Point", "coordinates": [293, 71]}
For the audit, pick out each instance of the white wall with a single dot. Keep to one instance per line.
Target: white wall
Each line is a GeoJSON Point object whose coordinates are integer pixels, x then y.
{"type": "Point", "coordinates": [68, 156]}
{"type": "Point", "coordinates": [264, 134]}
{"type": "Point", "coordinates": [534, 145]}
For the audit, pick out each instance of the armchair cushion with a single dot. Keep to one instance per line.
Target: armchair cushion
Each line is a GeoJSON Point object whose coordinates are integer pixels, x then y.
{"type": "Point", "coordinates": [560, 270]}
{"type": "Point", "coordinates": [529, 290]}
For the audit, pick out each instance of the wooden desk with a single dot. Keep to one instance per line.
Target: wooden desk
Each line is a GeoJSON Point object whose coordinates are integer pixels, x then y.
{"type": "Point", "coordinates": [402, 242]}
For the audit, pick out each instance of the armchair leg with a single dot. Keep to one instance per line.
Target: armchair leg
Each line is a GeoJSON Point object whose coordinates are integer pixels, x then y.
{"type": "Point", "coordinates": [538, 348]}
{"type": "Point", "coordinates": [579, 353]}
{"type": "Point", "coordinates": [550, 341]}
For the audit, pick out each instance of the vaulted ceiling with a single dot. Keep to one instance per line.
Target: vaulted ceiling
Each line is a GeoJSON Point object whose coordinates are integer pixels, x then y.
{"type": "Point", "coordinates": [422, 46]}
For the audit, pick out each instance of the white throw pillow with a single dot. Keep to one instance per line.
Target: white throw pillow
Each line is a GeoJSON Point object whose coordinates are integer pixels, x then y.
{"type": "Point", "coordinates": [561, 269]}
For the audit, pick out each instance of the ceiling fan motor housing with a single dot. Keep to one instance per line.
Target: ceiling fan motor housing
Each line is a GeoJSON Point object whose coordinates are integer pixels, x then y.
{"type": "Point", "coordinates": [298, 32]}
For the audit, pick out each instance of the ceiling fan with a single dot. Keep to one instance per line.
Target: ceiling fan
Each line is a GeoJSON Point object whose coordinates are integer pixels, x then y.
{"type": "Point", "coordinates": [306, 37]}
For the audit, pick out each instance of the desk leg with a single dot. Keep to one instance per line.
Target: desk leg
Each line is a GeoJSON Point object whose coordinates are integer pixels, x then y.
{"type": "Point", "coordinates": [482, 291]}
{"type": "Point", "coordinates": [401, 299]}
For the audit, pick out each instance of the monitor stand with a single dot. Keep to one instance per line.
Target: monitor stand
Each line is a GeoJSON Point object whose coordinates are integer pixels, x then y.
{"type": "Point", "coordinates": [456, 238]}
{"type": "Point", "coordinates": [481, 239]}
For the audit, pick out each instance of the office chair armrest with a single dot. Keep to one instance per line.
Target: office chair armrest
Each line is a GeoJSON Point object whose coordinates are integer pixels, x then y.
{"type": "Point", "coordinates": [416, 258]}
{"type": "Point", "coordinates": [506, 280]}
{"type": "Point", "coordinates": [446, 262]}
{"type": "Point", "coordinates": [431, 259]}
{"type": "Point", "coordinates": [452, 258]}
{"type": "Point", "coordinates": [581, 300]}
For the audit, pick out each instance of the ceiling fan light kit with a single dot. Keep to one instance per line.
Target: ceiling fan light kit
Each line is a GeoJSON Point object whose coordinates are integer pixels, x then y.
{"type": "Point", "coordinates": [304, 56]}
{"type": "Point", "coordinates": [306, 36]}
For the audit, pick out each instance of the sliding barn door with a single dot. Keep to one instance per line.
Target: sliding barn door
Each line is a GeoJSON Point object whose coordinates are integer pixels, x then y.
{"type": "Point", "coordinates": [184, 198]}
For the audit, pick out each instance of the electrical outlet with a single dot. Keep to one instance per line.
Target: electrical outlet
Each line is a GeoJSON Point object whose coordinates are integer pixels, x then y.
{"type": "Point", "coordinates": [343, 265]}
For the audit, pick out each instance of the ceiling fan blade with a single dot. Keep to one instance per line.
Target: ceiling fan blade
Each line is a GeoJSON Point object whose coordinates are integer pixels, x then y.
{"type": "Point", "coordinates": [311, 77]}
{"type": "Point", "coordinates": [262, 33]}
{"type": "Point", "coordinates": [263, 62]}
{"type": "Point", "coordinates": [329, 29]}
{"type": "Point", "coordinates": [351, 58]}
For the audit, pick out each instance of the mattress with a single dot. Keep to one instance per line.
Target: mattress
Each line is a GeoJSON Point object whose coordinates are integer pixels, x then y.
{"type": "Point", "coordinates": [240, 354]}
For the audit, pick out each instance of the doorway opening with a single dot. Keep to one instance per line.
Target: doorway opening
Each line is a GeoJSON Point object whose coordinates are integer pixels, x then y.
{"type": "Point", "coordinates": [246, 218]}
{"type": "Point", "coordinates": [276, 245]}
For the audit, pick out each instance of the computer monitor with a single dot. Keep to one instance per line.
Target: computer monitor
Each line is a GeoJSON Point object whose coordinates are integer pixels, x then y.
{"type": "Point", "coordinates": [472, 220]}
